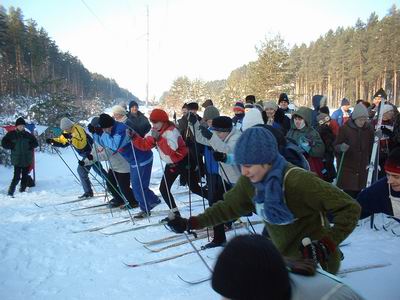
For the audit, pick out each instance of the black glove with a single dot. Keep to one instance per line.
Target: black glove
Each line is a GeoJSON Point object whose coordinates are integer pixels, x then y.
{"type": "Point", "coordinates": [49, 141]}
{"type": "Point", "coordinates": [205, 132]}
{"type": "Point", "coordinates": [68, 136]}
{"type": "Point", "coordinates": [91, 128]}
{"type": "Point", "coordinates": [319, 251]}
{"type": "Point", "coordinates": [89, 157]}
{"type": "Point", "coordinates": [192, 118]}
{"type": "Point", "coordinates": [387, 131]}
{"type": "Point", "coordinates": [81, 163]}
{"type": "Point", "coordinates": [178, 224]}
{"type": "Point", "coordinates": [219, 156]}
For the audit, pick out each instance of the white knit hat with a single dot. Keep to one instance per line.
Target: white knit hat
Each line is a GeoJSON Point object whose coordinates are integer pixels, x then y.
{"type": "Point", "coordinates": [66, 124]}
{"type": "Point", "coordinates": [252, 117]}
{"type": "Point", "coordinates": [118, 110]}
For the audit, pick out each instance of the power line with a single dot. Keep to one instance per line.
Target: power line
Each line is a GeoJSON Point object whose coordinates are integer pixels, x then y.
{"type": "Point", "coordinates": [92, 12]}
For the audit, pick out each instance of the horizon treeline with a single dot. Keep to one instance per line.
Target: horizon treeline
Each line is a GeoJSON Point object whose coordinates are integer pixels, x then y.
{"type": "Point", "coordinates": [352, 62]}
{"type": "Point", "coordinates": [32, 65]}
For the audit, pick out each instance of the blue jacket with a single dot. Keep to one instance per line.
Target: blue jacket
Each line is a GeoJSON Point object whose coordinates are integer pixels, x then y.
{"type": "Point", "coordinates": [210, 162]}
{"type": "Point", "coordinates": [338, 116]}
{"type": "Point", "coordinates": [375, 199]}
{"type": "Point", "coordinates": [118, 141]}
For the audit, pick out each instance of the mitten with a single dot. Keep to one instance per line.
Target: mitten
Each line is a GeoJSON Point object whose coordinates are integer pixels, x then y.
{"type": "Point", "coordinates": [219, 156]}
{"type": "Point", "coordinates": [205, 132]}
{"type": "Point", "coordinates": [319, 251]}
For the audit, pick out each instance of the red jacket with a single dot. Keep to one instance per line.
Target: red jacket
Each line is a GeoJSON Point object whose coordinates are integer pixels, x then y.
{"type": "Point", "coordinates": [171, 146]}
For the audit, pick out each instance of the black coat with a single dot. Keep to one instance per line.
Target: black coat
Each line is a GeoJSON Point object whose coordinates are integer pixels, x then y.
{"type": "Point", "coordinates": [21, 144]}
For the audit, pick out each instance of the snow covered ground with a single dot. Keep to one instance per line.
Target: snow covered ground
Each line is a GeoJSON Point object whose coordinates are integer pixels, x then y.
{"type": "Point", "coordinates": [41, 257]}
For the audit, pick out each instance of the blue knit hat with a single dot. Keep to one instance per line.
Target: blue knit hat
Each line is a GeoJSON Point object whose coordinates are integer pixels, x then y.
{"type": "Point", "coordinates": [256, 146]}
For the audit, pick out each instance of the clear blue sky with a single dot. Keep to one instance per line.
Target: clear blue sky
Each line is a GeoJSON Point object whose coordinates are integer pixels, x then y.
{"type": "Point", "coordinates": [204, 39]}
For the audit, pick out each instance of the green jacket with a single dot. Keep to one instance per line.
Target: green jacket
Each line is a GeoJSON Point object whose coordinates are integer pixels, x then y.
{"type": "Point", "coordinates": [21, 144]}
{"type": "Point", "coordinates": [307, 132]}
{"type": "Point", "coordinates": [308, 198]}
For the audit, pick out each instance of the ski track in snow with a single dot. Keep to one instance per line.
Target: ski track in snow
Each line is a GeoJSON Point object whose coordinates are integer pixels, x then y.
{"type": "Point", "coordinates": [41, 258]}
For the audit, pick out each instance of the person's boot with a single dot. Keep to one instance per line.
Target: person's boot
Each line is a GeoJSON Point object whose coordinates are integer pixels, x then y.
{"type": "Point", "coordinates": [86, 195]}
{"type": "Point", "coordinates": [214, 243]}
{"type": "Point", "coordinates": [11, 190]}
{"type": "Point", "coordinates": [142, 214]}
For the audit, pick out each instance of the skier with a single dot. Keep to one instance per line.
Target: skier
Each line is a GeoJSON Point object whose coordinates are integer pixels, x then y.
{"type": "Point", "coordinates": [238, 110]}
{"type": "Point", "coordinates": [274, 116]}
{"type": "Point", "coordinates": [317, 102]}
{"type": "Point", "coordinates": [173, 151]}
{"type": "Point", "coordinates": [220, 138]}
{"type": "Point", "coordinates": [74, 135]}
{"type": "Point", "coordinates": [137, 120]}
{"type": "Point", "coordinates": [328, 137]}
{"type": "Point", "coordinates": [308, 139]}
{"type": "Point", "coordinates": [21, 143]}
{"type": "Point", "coordinates": [250, 267]}
{"type": "Point", "coordinates": [384, 195]}
{"type": "Point", "coordinates": [355, 141]}
{"type": "Point", "coordinates": [283, 103]}
{"type": "Point", "coordinates": [118, 176]}
{"type": "Point", "coordinates": [342, 114]}
{"type": "Point", "coordinates": [115, 137]}
{"type": "Point", "coordinates": [293, 202]}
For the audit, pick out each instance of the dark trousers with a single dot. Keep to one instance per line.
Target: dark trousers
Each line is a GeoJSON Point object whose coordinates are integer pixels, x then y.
{"type": "Point", "coordinates": [18, 172]}
{"type": "Point", "coordinates": [120, 183]}
{"type": "Point", "coordinates": [172, 171]}
{"type": "Point", "coordinates": [215, 193]}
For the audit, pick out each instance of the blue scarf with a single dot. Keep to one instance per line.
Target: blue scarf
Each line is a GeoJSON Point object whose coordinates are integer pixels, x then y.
{"type": "Point", "coordinates": [269, 196]}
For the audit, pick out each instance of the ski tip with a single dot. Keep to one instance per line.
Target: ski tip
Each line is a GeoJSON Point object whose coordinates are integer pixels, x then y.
{"type": "Point", "coordinates": [37, 205]}
{"type": "Point", "coordinates": [130, 265]}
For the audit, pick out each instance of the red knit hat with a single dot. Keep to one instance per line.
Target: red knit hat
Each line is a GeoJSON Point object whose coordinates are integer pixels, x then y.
{"type": "Point", "coordinates": [158, 115]}
{"type": "Point", "coordinates": [392, 163]}
{"type": "Point", "coordinates": [239, 107]}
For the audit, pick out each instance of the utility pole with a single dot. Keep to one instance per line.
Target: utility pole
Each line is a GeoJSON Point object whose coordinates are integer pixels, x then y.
{"type": "Point", "coordinates": [148, 58]}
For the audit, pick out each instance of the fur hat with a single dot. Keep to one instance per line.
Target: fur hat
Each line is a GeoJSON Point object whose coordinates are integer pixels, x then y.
{"type": "Point", "coordinates": [283, 98]}
{"type": "Point", "coordinates": [66, 124]}
{"type": "Point", "coordinates": [270, 104]}
{"type": "Point", "coordinates": [210, 113]}
{"type": "Point", "coordinates": [207, 103]}
{"type": "Point", "coordinates": [359, 111]}
{"type": "Point", "coordinates": [344, 102]}
{"type": "Point", "coordinates": [158, 115]}
{"type": "Point", "coordinates": [250, 267]}
{"type": "Point", "coordinates": [251, 118]}
{"type": "Point", "coordinates": [256, 146]}
{"type": "Point", "coordinates": [193, 106]}
{"type": "Point", "coordinates": [239, 107]}
{"type": "Point", "coordinates": [106, 121]}
{"type": "Point", "coordinates": [20, 121]}
{"type": "Point", "coordinates": [118, 110]}
{"type": "Point", "coordinates": [222, 124]}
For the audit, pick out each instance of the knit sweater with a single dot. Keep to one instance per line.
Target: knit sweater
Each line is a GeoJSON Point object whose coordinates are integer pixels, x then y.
{"type": "Point", "coordinates": [308, 198]}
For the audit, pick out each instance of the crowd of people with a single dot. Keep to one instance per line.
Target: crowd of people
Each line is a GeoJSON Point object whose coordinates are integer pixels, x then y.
{"type": "Point", "coordinates": [303, 171]}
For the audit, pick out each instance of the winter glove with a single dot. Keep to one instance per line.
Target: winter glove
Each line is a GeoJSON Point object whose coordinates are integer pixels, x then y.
{"type": "Point", "coordinates": [89, 157]}
{"type": "Point", "coordinates": [319, 251]}
{"type": "Point", "coordinates": [205, 132]}
{"type": "Point", "coordinates": [91, 129]}
{"type": "Point", "coordinates": [386, 131]}
{"type": "Point", "coordinates": [301, 266]}
{"type": "Point", "coordinates": [81, 163]}
{"type": "Point", "coordinates": [192, 118]}
{"type": "Point", "coordinates": [155, 134]}
{"type": "Point", "coordinates": [49, 141]}
{"type": "Point", "coordinates": [68, 136]}
{"type": "Point", "coordinates": [180, 225]}
{"type": "Point", "coordinates": [219, 156]}
{"type": "Point", "coordinates": [343, 147]}
{"type": "Point", "coordinates": [131, 133]}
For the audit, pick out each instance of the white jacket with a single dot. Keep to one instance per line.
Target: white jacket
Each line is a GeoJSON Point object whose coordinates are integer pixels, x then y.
{"type": "Point", "coordinates": [116, 161]}
{"type": "Point", "coordinates": [230, 173]}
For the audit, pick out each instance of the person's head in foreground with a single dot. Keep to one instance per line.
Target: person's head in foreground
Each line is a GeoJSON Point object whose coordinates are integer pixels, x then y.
{"type": "Point", "coordinates": [251, 268]}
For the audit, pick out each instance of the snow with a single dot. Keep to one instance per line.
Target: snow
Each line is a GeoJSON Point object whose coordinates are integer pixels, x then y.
{"type": "Point", "coordinates": [41, 258]}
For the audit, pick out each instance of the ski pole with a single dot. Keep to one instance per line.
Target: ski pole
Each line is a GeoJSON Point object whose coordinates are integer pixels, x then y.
{"type": "Point", "coordinates": [197, 252]}
{"type": "Point", "coordinates": [339, 173]}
